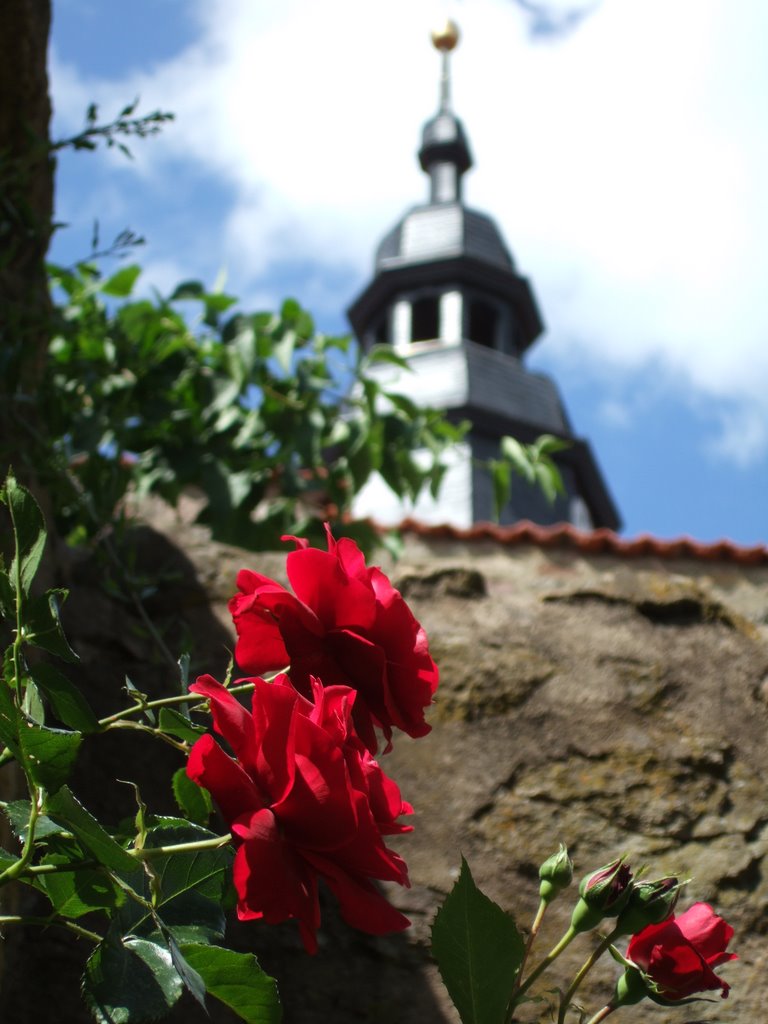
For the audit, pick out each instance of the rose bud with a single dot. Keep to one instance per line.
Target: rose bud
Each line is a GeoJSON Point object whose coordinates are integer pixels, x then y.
{"type": "Point", "coordinates": [649, 902]}
{"type": "Point", "coordinates": [556, 874]}
{"type": "Point", "coordinates": [604, 893]}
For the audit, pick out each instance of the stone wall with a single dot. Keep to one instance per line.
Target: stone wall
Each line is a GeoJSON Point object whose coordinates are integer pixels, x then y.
{"type": "Point", "coordinates": [616, 705]}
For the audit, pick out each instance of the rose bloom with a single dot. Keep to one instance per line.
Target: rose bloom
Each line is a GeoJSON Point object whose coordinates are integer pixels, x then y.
{"type": "Point", "coordinates": [304, 800]}
{"type": "Point", "coordinates": [345, 624]}
{"type": "Point", "coordinates": [678, 955]}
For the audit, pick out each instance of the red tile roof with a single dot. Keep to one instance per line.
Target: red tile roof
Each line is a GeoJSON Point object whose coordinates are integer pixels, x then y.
{"type": "Point", "coordinates": [602, 541]}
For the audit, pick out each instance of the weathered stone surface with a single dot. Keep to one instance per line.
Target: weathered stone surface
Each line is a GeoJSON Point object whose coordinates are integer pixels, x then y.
{"type": "Point", "coordinates": [645, 735]}
{"type": "Point", "coordinates": [618, 706]}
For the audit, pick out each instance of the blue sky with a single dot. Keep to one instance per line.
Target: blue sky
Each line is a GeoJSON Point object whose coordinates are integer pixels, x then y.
{"type": "Point", "coordinates": [625, 160]}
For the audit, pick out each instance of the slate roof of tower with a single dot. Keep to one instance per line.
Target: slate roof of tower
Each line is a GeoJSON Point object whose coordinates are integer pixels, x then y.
{"type": "Point", "coordinates": [438, 231]}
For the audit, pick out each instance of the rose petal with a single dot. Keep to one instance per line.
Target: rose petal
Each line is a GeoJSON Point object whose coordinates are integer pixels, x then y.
{"type": "Point", "coordinates": [706, 931]}
{"type": "Point", "coordinates": [230, 718]}
{"type": "Point", "coordinates": [229, 785]}
{"type": "Point", "coordinates": [271, 881]}
{"type": "Point", "coordinates": [320, 582]}
{"type": "Point", "coordinates": [362, 905]}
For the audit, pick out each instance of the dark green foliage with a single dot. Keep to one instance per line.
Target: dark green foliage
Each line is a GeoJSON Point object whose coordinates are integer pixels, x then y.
{"type": "Point", "coordinates": [29, 534]}
{"type": "Point", "coordinates": [277, 425]}
{"type": "Point", "coordinates": [48, 754]}
{"type": "Point", "coordinates": [129, 980]}
{"type": "Point", "coordinates": [478, 951]}
{"type": "Point", "coordinates": [194, 801]}
{"type": "Point", "coordinates": [236, 980]}
{"type": "Point", "coordinates": [532, 462]}
{"type": "Point", "coordinates": [80, 891]}
{"type": "Point", "coordinates": [67, 702]}
{"type": "Point", "coordinates": [65, 809]}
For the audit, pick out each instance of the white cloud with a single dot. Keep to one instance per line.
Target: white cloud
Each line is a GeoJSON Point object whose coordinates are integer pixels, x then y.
{"type": "Point", "coordinates": [743, 435]}
{"type": "Point", "coordinates": [626, 164]}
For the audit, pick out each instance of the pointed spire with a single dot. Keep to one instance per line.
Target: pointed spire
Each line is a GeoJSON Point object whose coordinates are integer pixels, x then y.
{"type": "Point", "coordinates": [444, 152]}
{"type": "Point", "coordinates": [446, 39]}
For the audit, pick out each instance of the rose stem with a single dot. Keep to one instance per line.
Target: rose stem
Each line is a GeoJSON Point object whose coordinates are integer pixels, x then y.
{"type": "Point", "coordinates": [565, 999]}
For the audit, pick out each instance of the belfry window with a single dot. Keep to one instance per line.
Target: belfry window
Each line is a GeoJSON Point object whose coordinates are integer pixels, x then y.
{"type": "Point", "coordinates": [381, 330]}
{"type": "Point", "coordinates": [483, 323]}
{"type": "Point", "coordinates": [425, 324]}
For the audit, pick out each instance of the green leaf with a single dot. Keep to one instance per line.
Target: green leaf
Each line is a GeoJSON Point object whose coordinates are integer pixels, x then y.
{"type": "Point", "coordinates": [141, 698]}
{"type": "Point", "coordinates": [18, 812]}
{"type": "Point", "coordinates": [44, 626]}
{"type": "Point", "coordinates": [519, 456]}
{"type": "Point", "coordinates": [291, 310]}
{"type": "Point", "coordinates": [547, 444]}
{"type": "Point", "coordinates": [237, 980]}
{"type": "Point", "coordinates": [140, 821]}
{"type": "Point", "coordinates": [9, 712]}
{"type": "Point", "coordinates": [283, 351]}
{"type": "Point", "coordinates": [188, 888]}
{"type": "Point", "coordinates": [130, 980]}
{"type": "Point", "coordinates": [7, 596]}
{"type": "Point", "coordinates": [403, 403]}
{"type": "Point", "coordinates": [29, 534]}
{"type": "Point", "coordinates": [189, 976]}
{"type": "Point", "coordinates": [548, 479]}
{"type": "Point", "coordinates": [65, 809]}
{"type": "Point", "coordinates": [68, 703]}
{"type": "Point", "coordinates": [501, 478]}
{"type": "Point", "coordinates": [202, 872]}
{"type": "Point", "coordinates": [385, 354]}
{"type": "Point", "coordinates": [80, 891]}
{"type": "Point", "coordinates": [6, 859]}
{"type": "Point", "coordinates": [215, 304]}
{"type": "Point", "coordinates": [49, 754]}
{"type": "Point", "coordinates": [187, 290]}
{"type": "Point", "coordinates": [478, 951]}
{"type": "Point", "coordinates": [33, 703]}
{"type": "Point", "coordinates": [194, 801]}
{"type": "Point", "coordinates": [121, 284]}
{"type": "Point", "coordinates": [176, 724]}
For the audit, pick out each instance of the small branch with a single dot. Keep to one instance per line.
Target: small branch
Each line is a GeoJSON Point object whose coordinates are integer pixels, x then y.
{"type": "Point", "coordinates": [47, 922]}
{"type": "Point", "coordinates": [151, 852]}
{"type": "Point", "coordinates": [164, 702]}
{"type": "Point", "coordinates": [158, 733]}
{"type": "Point", "coordinates": [567, 997]}
{"type": "Point", "coordinates": [555, 952]}
{"type": "Point", "coordinates": [123, 125]}
{"type": "Point", "coordinates": [52, 869]}
{"type": "Point", "coordinates": [531, 939]}
{"type": "Point", "coordinates": [602, 1014]}
{"type": "Point", "coordinates": [19, 866]}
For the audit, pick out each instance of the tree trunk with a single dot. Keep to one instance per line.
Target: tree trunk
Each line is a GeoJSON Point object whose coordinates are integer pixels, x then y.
{"type": "Point", "coordinates": [26, 207]}
{"type": "Point", "coordinates": [26, 199]}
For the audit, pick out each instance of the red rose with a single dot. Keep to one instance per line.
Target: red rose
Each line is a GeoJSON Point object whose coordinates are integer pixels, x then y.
{"type": "Point", "coordinates": [678, 956]}
{"type": "Point", "coordinates": [303, 799]}
{"type": "Point", "coordinates": [347, 625]}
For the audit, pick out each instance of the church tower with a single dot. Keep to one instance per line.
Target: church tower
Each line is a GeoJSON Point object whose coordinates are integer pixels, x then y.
{"type": "Point", "coordinates": [447, 296]}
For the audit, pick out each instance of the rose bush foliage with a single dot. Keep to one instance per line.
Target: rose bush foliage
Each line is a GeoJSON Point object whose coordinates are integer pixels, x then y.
{"type": "Point", "coordinates": [345, 624]}
{"type": "Point", "coordinates": [304, 800]}
{"type": "Point", "coordinates": [678, 956]}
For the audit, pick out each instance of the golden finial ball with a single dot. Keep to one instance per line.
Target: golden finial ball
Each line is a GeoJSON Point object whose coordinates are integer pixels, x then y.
{"type": "Point", "coordinates": [447, 37]}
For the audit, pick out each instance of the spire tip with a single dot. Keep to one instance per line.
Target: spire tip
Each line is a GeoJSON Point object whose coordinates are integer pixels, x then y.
{"type": "Point", "coordinates": [446, 38]}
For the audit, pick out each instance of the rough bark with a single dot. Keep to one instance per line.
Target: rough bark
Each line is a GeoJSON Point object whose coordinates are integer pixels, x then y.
{"type": "Point", "coordinates": [26, 197]}
{"type": "Point", "coordinates": [26, 205]}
